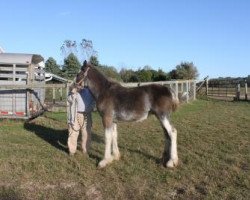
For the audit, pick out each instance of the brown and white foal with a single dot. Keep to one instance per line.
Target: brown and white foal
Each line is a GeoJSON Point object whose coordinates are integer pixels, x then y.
{"type": "Point", "coordinates": [115, 102]}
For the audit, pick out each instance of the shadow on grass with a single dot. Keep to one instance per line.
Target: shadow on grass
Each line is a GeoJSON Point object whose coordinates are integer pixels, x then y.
{"type": "Point", "coordinates": [57, 138]}
{"type": "Point", "coordinates": [157, 160]}
{"type": "Point", "coordinates": [98, 155]}
{"type": "Point", "coordinates": [9, 193]}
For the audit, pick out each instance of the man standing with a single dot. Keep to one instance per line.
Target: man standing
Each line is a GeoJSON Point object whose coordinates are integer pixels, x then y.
{"type": "Point", "coordinates": [81, 105]}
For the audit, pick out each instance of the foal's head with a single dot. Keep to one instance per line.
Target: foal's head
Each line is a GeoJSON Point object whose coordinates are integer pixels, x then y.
{"type": "Point", "coordinates": [81, 76]}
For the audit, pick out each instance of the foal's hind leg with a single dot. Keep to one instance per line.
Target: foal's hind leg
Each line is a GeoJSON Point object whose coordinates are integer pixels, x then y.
{"type": "Point", "coordinates": [170, 150]}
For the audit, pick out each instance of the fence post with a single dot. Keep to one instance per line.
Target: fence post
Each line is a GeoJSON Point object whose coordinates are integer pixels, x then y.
{"type": "Point", "coordinates": [238, 92]}
{"type": "Point", "coordinates": [218, 90]}
{"type": "Point", "coordinates": [176, 88]}
{"type": "Point", "coordinates": [54, 95]}
{"type": "Point", "coordinates": [226, 89]}
{"type": "Point", "coordinates": [207, 87]}
{"type": "Point", "coordinates": [194, 85]}
{"type": "Point", "coordinates": [61, 94]}
{"type": "Point", "coordinates": [246, 90]}
{"type": "Point", "coordinates": [181, 88]}
{"type": "Point", "coordinates": [187, 88]}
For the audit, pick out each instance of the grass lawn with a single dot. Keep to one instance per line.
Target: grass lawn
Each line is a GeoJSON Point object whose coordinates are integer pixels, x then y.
{"type": "Point", "coordinates": [213, 145]}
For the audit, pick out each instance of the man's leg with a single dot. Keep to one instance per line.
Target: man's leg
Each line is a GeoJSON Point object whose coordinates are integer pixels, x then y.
{"type": "Point", "coordinates": [72, 137]}
{"type": "Point", "coordinates": [86, 132]}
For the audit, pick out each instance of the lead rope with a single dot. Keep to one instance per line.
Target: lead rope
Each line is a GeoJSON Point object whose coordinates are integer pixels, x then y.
{"type": "Point", "coordinates": [72, 100]}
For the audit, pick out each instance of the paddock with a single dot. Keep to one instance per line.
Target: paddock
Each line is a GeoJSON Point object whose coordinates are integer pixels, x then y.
{"type": "Point", "coordinates": [213, 144]}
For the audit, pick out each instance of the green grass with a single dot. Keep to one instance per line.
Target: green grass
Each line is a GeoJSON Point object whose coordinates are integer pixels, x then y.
{"type": "Point", "coordinates": [213, 145]}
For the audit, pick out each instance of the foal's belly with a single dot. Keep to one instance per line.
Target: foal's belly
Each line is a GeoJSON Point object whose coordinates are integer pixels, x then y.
{"type": "Point", "coordinates": [131, 116]}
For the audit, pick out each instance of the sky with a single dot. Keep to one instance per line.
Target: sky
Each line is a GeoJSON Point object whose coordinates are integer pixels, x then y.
{"type": "Point", "coordinates": [213, 34]}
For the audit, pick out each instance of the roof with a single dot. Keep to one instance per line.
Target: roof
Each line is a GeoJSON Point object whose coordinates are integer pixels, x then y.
{"type": "Point", "coordinates": [20, 58]}
{"type": "Point", "coordinates": [50, 76]}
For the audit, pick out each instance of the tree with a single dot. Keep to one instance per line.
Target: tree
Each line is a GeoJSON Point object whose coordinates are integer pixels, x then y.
{"type": "Point", "coordinates": [185, 70]}
{"type": "Point", "coordinates": [83, 50]}
{"type": "Point", "coordinates": [52, 67]}
{"type": "Point", "coordinates": [144, 75]}
{"type": "Point", "coordinates": [94, 61]}
{"type": "Point", "coordinates": [173, 74]}
{"type": "Point", "coordinates": [88, 49]}
{"type": "Point", "coordinates": [71, 66]}
{"type": "Point", "coordinates": [126, 74]}
{"type": "Point", "coordinates": [110, 72]}
{"type": "Point", "coordinates": [159, 75]}
{"type": "Point", "coordinates": [68, 47]}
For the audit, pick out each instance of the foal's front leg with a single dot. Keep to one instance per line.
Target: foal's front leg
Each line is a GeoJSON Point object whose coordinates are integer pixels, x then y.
{"type": "Point", "coordinates": [115, 148]}
{"type": "Point", "coordinates": [108, 158]}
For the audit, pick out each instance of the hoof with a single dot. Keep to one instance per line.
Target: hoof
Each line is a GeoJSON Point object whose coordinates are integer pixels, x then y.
{"type": "Point", "coordinates": [117, 156]}
{"type": "Point", "coordinates": [172, 163]}
{"type": "Point", "coordinates": [104, 163]}
{"type": "Point", "coordinates": [85, 154]}
{"type": "Point", "coordinates": [84, 151]}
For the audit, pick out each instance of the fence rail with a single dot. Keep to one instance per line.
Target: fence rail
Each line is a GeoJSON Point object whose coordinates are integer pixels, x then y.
{"type": "Point", "coordinates": [55, 95]}
{"type": "Point", "coordinates": [186, 89]}
{"type": "Point", "coordinates": [31, 86]}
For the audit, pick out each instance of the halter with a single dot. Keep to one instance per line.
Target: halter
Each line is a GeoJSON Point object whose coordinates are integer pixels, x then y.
{"type": "Point", "coordinates": [84, 76]}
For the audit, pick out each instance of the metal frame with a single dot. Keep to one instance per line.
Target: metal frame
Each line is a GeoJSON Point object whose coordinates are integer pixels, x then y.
{"type": "Point", "coordinates": [19, 72]}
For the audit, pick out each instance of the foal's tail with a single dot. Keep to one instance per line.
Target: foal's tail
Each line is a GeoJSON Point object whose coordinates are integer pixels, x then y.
{"type": "Point", "coordinates": [175, 100]}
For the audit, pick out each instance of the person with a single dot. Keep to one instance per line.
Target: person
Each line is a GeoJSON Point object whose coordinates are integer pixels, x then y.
{"type": "Point", "coordinates": [81, 105]}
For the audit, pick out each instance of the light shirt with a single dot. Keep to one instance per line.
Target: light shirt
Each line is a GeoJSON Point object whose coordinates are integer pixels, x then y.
{"type": "Point", "coordinates": [85, 101]}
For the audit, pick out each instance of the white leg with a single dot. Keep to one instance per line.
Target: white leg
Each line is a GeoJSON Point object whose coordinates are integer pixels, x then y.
{"type": "Point", "coordinates": [172, 133]}
{"type": "Point", "coordinates": [115, 148]}
{"type": "Point", "coordinates": [107, 156]}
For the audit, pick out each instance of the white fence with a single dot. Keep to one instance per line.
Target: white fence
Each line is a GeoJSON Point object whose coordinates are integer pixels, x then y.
{"type": "Point", "coordinates": [186, 89]}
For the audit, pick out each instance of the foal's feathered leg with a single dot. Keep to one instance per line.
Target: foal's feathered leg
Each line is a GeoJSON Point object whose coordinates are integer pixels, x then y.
{"type": "Point", "coordinates": [170, 150]}
{"type": "Point", "coordinates": [115, 148]}
{"type": "Point", "coordinates": [110, 141]}
{"type": "Point", "coordinates": [107, 155]}
{"type": "Point", "coordinates": [109, 129]}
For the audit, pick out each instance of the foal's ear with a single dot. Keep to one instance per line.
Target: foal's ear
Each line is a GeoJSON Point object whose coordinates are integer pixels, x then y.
{"type": "Point", "coordinates": [85, 63]}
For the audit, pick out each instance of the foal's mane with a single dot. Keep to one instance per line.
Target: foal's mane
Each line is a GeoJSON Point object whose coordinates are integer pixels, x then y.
{"type": "Point", "coordinates": [99, 77]}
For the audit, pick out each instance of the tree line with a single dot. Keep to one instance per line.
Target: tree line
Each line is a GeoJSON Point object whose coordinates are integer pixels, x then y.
{"type": "Point", "coordinates": [71, 66]}
{"type": "Point", "coordinates": [84, 50]}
